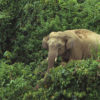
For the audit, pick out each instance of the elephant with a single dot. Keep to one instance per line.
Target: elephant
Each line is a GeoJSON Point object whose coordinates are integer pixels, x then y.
{"type": "Point", "coordinates": [76, 44]}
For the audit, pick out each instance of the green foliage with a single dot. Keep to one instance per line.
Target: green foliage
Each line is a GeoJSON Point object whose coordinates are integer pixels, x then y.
{"type": "Point", "coordinates": [15, 80]}
{"type": "Point", "coordinates": [23, 24]}
{"type": "Point", "coordinates": [77, 80]}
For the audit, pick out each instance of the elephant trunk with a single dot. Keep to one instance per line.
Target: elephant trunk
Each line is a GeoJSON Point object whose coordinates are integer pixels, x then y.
{"type": "Point", "coordinates": [52, 57]}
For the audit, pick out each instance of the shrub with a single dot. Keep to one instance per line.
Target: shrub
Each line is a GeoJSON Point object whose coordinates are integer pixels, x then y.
{"type": "Point", "coordinates": [78, 80]}
{"type": "Point", "coordinates": [14, 80]}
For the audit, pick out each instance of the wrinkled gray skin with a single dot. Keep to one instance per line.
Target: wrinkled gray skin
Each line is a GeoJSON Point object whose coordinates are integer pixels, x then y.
{"type": "Point", "coordinates": [70, 44]}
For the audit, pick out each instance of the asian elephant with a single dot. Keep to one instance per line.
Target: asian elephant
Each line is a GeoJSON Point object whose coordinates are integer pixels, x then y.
{"type": "Point", "coordinates": [70, 44]}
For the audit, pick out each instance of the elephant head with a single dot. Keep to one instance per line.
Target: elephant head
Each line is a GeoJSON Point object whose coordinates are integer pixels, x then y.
{"type": "Point", "coordinates": [59, 44]}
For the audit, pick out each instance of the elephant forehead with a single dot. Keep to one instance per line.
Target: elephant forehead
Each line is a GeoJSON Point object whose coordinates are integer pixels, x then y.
{"type": "Point", "coordinates": [55, 41]}
{"type": "Point", "coordinates": [52, 41]}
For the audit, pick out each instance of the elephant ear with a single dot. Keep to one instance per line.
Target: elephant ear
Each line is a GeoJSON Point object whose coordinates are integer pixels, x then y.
{"type": "Point", "coordinates": [69, 44]}
{"type": "Point", "coordinates": [44, 42]}
{"type": "Point", "coordinates": [74, 46]}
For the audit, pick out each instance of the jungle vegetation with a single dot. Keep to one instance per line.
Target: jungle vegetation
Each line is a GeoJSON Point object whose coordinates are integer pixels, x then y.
{"type": "Point", "coordinates": [23, 24]}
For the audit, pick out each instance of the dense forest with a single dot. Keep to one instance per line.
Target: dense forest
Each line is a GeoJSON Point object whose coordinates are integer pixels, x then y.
{"type": "Point", "coordinates": [23, 24]}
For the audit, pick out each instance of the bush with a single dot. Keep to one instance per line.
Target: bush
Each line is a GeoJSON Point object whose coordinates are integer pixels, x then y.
{"type": "Point", "coordinates": [77, 80]}
{"type": "Point", "coordinates": [14, 80]}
